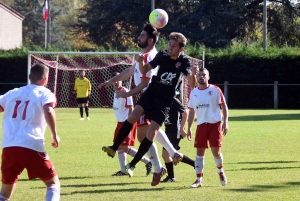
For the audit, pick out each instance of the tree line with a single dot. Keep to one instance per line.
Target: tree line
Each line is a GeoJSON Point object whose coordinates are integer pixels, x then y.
{"type": "Point", "coordinates": [115, 24]}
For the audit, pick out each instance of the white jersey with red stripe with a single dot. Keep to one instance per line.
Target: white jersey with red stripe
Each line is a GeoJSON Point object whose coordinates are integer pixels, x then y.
{"type": "Point", "coordinates": [148, 56]}
{"type": "Point", "coordinates": [206, 103]}
{"type": "Point", "coordinates": [24, 123]}
{"type": "Point", "coordinates": [120, 106]}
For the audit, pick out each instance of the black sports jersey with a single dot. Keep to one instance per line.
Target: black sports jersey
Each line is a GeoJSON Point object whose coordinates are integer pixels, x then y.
{"type": "Point", "coordinates": [169, 74]}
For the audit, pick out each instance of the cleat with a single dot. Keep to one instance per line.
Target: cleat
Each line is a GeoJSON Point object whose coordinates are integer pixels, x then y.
{"type": "Point", "coordinates": [81, 119]}
{"type": "Point", "coordinates": [148, 168]}
{"type": "Point", "coordinates": [223, 178]}
{"type": "Point", "coordinates": [196, 184]}
{"type": "Point", "coordinates": [177, 158]}
{"type": "Point", "coordinates": [168, 180]}
{"type": "Point", "coordinates": [88, 118]}
{"type": "Point", "coordinates": [129, 170]}
{"type": "Point", "coordinates": [157, 176]}
{"type": "Point", "coordinates": [110, 152]}
{"type": "Point", "coordinates": [120, 173]}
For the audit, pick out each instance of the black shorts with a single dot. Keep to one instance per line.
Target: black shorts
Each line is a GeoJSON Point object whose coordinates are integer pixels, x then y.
{"type": "Point", "coordinates": [156, 107]}
{"type": "Point", "coordinates": [173, 137]}
{"type": "Point", "coordinates": [82, 100]}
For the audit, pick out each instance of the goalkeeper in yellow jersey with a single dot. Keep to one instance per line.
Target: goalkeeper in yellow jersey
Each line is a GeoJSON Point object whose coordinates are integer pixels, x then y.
{"type": "Point", "coordinates": [82, 90]}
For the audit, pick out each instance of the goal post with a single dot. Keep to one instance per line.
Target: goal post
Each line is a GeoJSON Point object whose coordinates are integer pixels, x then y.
{"type": "Point", "coordinates": [99, 66]}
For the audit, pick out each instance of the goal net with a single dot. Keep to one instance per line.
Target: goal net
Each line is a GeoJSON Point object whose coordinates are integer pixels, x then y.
{"type": "Point", "coordinates": [64, 68]}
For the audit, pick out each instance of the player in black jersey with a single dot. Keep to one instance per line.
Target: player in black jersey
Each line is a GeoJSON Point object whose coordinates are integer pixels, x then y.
{"type": "Point", "coordinates": [158, 97]}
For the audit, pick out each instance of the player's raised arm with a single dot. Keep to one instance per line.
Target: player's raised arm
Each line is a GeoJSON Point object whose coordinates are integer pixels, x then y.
{"type": "Point", "coordinates": [191, 77]}
{"type": "Point", "coordinates": [125, 74]}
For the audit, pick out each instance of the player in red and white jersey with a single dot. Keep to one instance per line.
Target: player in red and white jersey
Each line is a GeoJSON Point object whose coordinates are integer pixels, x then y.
{"type": "Point", "coordinates": [146, 41]}
{"type": "Point", "coordinates": [122, 108]}
{"type": "Point", "coordinates": [206, 101]}
{"type": "Point", "coordinates": [27, 111]}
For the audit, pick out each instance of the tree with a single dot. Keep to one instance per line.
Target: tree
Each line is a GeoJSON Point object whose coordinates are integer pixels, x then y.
{"type": "Point", "coordinates": [111, 23]}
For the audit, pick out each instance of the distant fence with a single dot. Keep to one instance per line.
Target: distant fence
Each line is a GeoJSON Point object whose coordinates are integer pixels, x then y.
{"type": "Point", "coordinates": [275, 90]}
{"type": "Point", "coordinates": [226, 86]}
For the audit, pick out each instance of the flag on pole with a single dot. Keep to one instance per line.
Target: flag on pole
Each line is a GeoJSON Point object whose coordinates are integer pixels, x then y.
{"type": "Point", "coordinates": [45, 10]}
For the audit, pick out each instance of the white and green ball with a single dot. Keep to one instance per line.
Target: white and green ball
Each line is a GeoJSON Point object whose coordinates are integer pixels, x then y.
{"type": "Point", "coordinates": [158, 18]}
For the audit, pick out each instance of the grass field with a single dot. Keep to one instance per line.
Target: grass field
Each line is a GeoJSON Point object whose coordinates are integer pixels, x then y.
{"type": "Point", "coordinates": [261, 160]}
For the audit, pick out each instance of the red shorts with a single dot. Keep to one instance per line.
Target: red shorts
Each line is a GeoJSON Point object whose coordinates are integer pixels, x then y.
{"type": "Point", "coordinates": [16, 159]}
{"type": "Point", "coordinates": [208, 133]}
{"type": "Point", "coordinates": [129, 140]}
{"type": "Point", "coordinates": [143, 121]}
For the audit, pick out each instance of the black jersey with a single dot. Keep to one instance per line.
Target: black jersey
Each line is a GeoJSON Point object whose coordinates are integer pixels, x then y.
{"type": "Point", "coordinates": [169, 74]}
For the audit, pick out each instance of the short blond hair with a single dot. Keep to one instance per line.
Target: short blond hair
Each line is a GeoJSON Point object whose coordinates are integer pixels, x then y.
{"type": "Point", "coordinates": [179, 37]}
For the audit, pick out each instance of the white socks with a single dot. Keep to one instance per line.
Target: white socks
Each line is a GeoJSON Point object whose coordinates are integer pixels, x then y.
{"type": "Point", "coordinates": [219, 163]}
{"type": "Point", "coordinates": [53, 194]}
{"type": "Point", "coordinates": [199, 166]}
{"type": "Point", "coordinates": [2, 198]}
{"type": "Point", "coordinates": [163, 139]}
{"type": "Point", "coordinates": [154, 158]}
{"type": "Point", "coordinates": [122, 156]}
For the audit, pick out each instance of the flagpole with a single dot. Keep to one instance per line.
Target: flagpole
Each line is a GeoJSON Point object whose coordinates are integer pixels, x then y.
{"type": "Point", "coordinates": [45, 34]}
{"type": "Point", "coordinates": [49, 24]}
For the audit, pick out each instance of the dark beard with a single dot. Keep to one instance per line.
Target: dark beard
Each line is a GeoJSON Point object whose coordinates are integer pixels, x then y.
{"type": "Point", "coordinates": [143, 45]}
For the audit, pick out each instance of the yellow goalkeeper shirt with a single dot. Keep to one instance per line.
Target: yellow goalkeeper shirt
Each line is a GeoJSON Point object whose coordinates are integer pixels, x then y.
{"type": "Point", "coordinates": [82, 87]}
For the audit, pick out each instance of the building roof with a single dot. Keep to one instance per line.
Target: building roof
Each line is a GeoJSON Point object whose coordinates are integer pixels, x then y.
{"type": "Point", "coordinates": [12, 11]}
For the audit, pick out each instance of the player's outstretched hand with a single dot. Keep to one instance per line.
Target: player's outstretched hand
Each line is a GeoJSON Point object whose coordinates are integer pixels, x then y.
{"type": "Point", "coordinates": [139, 58]}
{"type": "Point", "coordinates": [105, 84]}
{"type": "Point", "coordinates": [55, 141]}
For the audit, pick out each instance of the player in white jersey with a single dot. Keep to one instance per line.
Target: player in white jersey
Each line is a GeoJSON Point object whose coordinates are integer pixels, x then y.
{"type": "Point", "coordinates": [27, 111]}
{"type": "Point", "coordinates": [122, 108]}
{"type": "Point", "coordinates": [206, 101]}
{"type": "Point", "coordinates": [146, 41]}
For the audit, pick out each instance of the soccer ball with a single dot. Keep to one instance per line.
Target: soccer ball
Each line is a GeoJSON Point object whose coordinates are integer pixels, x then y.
{"type": "Point", "coordinates": [158, 18]}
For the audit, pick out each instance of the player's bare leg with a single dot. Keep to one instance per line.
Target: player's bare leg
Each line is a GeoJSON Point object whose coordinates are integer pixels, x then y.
{"type": "Point", "coordinates": [7, 191]}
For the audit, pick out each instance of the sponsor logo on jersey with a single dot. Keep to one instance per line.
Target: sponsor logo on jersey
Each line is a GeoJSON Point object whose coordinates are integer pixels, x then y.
{"type": "Point", "coordinates": [167, 77]}
{"type": "Point", "coordinates": [202, 106]}
{"type": "Point", "coordinates": [115, 108]}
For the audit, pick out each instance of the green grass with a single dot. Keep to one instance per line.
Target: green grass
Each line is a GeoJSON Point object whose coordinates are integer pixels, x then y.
{"type": "Point", "coordinates": [261, 160]}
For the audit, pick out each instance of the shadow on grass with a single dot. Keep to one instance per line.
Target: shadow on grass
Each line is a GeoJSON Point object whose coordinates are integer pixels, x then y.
{"type": "Point", "coordinates": [263, 168]}
{"type": "Point", "coordinates": [105, 184]}
{"type": "Point", "coordinates": [60, 178]}
{"type": "Point", "coordinates": [264, 162]}
{"type": "Point", "coordinates": [268, 117]}
{"type": "Point", "coordinates": [123, 190]}
{"type": "Point", "coordinates": [258, 188]}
